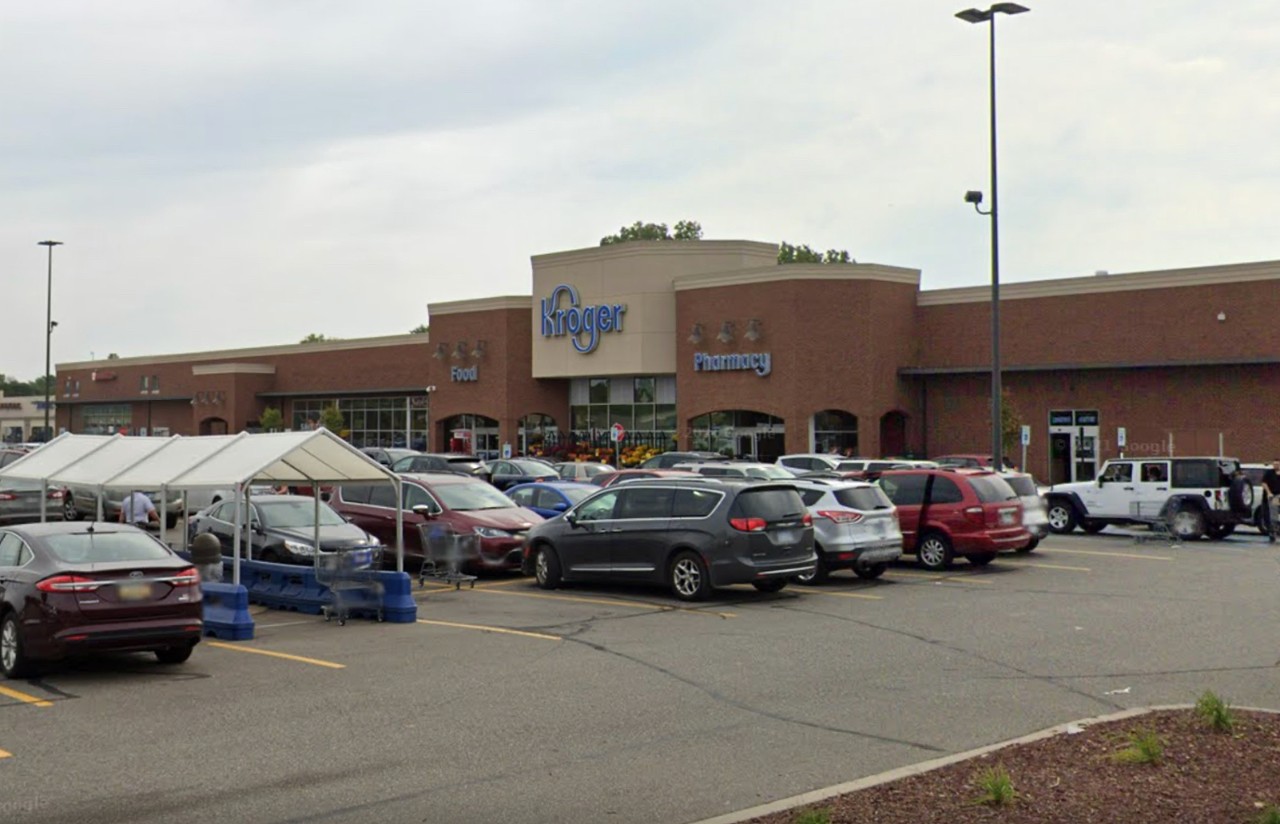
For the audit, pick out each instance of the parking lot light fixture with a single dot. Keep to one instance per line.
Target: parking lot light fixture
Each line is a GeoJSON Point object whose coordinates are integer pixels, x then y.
{"type": "Point", "coordinates": [48, 332]}
{"type": "Point", "coordinates": [988, 16]}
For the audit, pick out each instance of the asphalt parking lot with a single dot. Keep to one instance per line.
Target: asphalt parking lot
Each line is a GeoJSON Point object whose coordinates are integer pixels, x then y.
{"type": "Point", "coordinates": [588, 704]}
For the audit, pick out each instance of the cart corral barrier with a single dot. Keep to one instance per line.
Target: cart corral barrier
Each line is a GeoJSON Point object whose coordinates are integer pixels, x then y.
{"type": "Point", "coordinates": [293, 587]}
{"type": "Point", "coordinates": [226, 611]}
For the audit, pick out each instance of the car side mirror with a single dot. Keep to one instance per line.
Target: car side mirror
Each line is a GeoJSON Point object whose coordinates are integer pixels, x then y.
{"type": "Point", "coordinates": [571, 519]}
{"type": "Point", "coordinates": [425, 511]}
{"type": "Point", "coordinates": [1101, 481]}
{"type": "Point", "coordinates": [326, 496]}
{"type": "Point", "coordinates": [560, 507]}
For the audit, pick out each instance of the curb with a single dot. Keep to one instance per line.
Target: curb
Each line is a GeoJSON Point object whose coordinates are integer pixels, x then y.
{"type": "Point", "coordinates": [814, 796]}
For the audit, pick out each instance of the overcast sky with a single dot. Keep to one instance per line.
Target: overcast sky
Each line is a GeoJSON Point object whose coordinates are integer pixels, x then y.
{"type": "Point", "coordinates": [229, 174]}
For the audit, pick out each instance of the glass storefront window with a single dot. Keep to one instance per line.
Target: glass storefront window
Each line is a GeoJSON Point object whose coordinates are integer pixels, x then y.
{"type": "Point", "coordinates": [645, 390]}
{"type": "Point", "coordinates": [396, 421]}
{"type": "Point", "coordinates": [623, 414]}
{"type": "Point", "coordinates": [106, 418]}
{"type": "Point", "coordinates": [644, 417]}
{"type": "Point", "coordinates": [599, 390]}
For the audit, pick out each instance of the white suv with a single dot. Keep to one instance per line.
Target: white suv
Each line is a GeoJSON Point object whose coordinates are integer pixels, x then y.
{"type": "Point", "coordinates": [1200, 496]}
{"type": "Point", "coordinates": [811, 462]}
{"type": "Point", "coordinates": [742, 470]}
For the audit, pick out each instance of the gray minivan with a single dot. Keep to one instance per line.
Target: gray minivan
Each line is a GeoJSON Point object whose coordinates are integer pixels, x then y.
{"type": "Point", "coordinates": [691, 534]}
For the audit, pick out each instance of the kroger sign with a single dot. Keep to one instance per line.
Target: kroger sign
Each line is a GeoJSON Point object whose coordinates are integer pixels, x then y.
{"type": "Point", "coordinates": [583, 324]}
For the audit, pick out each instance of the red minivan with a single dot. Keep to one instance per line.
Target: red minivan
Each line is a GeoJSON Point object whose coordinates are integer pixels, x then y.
{"type": "Point", "coordinates": [456, 504]}
{"type": "Point", "coordinates": [950, 512]}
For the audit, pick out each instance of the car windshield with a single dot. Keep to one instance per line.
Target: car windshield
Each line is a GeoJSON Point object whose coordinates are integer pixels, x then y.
{"type": "Point", "coordinates": [100, 547]}
{"type": "Point", "coordinates": [768, 472]}
{"type": "Point", "coordinates": [1023, 485]}
{"type": "Point", "coordinates": [864, 498]}
{"type": "Point", "coordinates": [992, 489]}
{"type": "Point", "coordinates": [533, 467]}
{"type": "Point", "coordinates": [292, 514]}
{"type": "Point", "coordinates": [575, 494]}
{"type": "Point", "coordinates": [464, 497]}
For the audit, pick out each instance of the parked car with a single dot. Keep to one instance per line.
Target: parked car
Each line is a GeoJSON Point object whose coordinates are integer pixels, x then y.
{"type": "Point", "coordinates": [201, 499]}
{"type": "Point", "coordinates": [507, 473]}
{"type": "Point", "coordinates": [1202, 496]}
{"type": "Point", "coordinates": [282, 529]}
{"type": "Point", "coordinates": [1035, 512]}
{"type": "Point", "coordinates": [625, 475]}
{"type": "Point", "coordinates": [855, 526]}
{"type": "Point", "coordinates": [949, 512]}
{"type": "Point", "coordinates": [972, 461]}
{"type": "Point", "coordinates": [691, 535]}
{"type": "Point", "coordinates": [742, 470]}
{"type": "Point", "coordinates": [812, 462]}
{"type": "Point", "coordinates": [11, 454]}
{"type": "Point", "coordinates": [388, 457]}
{"type": "Point", "coordinates": [581, 470]}
{"type": "Point", "coordinates": [440, 462]}
{"type": "Point", "coordinates": [84, 504]}
{"type": "Point", "coordinates": [669, 459]}
{"type": "Point", "coordinates": [870, 470]}
{"type": "Point", "coordinates": [20, 501]}
{"type": "Point", "coordinates": [72, 589]}
{"type": "Point", "coordinates": [550, 499]}
{"type": "Point", "coordinates": [455, 504]}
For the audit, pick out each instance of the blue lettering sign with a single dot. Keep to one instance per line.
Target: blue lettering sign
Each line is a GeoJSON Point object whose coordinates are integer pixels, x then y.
{"type": "Point", "coordinates": [759, 362]}
{"type": "Point", "coordinates": [583, 324]}
{"type": "Point", "coordinates": [464, 374]}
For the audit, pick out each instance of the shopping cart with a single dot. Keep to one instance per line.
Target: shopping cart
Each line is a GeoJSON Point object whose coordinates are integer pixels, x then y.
{"type": "Point", "coordinates": [351, 574]}
{"type": "Point", "coordinates": [1158, 516]}
{"type": "Point", "coordinates": [443, 554]}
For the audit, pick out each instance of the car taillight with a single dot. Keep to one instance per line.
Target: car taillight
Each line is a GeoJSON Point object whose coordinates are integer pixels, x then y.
{"type": "Point", "coordinates": [840, 516]}
{"type": "Point", "coordinates": [189, 577]}
{"type": "Point", "coordinates": [55, 494]}
{"type": "Point", "coordinates": [748, 524]}
{"type": "Point", "coordinates": [807, 520]}
{"type": "Point", "coordinates": [68, 583]}
{"type": "Point", "coordinates": [976, 514]}
{"type": "Point", "coordinates": [8, 496]}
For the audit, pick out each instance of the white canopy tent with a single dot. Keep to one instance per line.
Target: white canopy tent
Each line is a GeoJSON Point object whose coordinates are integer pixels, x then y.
{"type": "Point", "coordinates": [179, 464]}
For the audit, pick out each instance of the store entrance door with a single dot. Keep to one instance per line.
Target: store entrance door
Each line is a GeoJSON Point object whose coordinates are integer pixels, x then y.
{"type": "Point", "coordinates": [1073, 445]}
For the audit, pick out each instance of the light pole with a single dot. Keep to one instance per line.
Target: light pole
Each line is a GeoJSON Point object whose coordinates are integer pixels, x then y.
{"type": "Point", "coordinates": [997, 434]}
{"type": "Point", "coordinates": [48, 333]}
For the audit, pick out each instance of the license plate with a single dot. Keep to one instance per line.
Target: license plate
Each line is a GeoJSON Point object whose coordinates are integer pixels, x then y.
{"type": "Point", "coordinates": [787, 536]}
{"type": "Point", "coordinates": [134, 592]}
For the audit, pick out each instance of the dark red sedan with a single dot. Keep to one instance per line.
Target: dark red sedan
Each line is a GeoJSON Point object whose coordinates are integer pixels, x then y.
{"type": "Point", "coordinates": [68, 589]}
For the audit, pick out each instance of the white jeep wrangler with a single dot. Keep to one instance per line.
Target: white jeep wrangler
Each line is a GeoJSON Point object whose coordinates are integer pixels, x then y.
{"type": "Point", "coordinates": [1198, 496]}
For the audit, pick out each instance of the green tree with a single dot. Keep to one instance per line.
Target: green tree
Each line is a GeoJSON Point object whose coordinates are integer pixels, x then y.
{"type": "Point", "coordinates": [271, 419]}
{"type": "Point", "coordinates": [420, 329]}
{"type": "Point", "coordinates": [15, 388]}
{"type": "Point", "coordinates": [331, 418]}
{"type": "Point", "coordinates": [685, 230]}
{"type": "Point", "coordinates": [787, 253]}
{"type": "Point", "coordinates": [315, 338]}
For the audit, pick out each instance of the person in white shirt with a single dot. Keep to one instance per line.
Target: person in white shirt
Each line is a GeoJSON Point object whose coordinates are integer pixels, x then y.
{"type": "Point", "coordinates": [138, 510]}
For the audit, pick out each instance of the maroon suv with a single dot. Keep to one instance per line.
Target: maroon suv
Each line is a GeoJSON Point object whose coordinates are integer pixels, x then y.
{"type": "Point", "coordinates": [949, 512]}
{"type": "Point", "coordinates": [441, 503]}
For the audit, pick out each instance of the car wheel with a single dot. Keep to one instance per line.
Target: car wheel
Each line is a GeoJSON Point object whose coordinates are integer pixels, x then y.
{"type": "Point", "coordinates": [1188, 524]}
{"type": "Point", "coordinates": [13, 662]}
{"type": "Point", "coordinates": [1240, 496]}
{"type": "Point", "coordinates": [820, 573]}
{"type": "Point", "coordinates": [869, 571]}
{"type": "Point", "coordinates": [69, 511]}
{"type": "Point", "coordinates": [1035, 542]}
{"type": "Point", "coordinates": [1217, 532]}
{"type": "Point", "coordinates": [171, 520]}
{"type": "Point", "coordinates": [1092, 527]}
{"type": "Point", "coordinates": [934, 552]}
{"type": "Point", "coordinates": [175, 655]}
{"type": "Point", "coordinates": [981, 560]}
{"type": "Point", "coordinates": [770, 585]}
{"type": "Point", "coordinates": [546, 568]}
{"type": "Point", "coordinates": [1062, 517]}
{"type": "Point", "coordinates": [688, 577]}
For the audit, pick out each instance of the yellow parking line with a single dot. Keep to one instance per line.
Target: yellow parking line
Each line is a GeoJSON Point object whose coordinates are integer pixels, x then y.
{"type": "Point", "coordinates": [611, 602]}
{"type": "Point", "coordinates": [502, 630]}
{"type": "Point", "coordinates": [843, 594]}
{"type": "Point", "coordinates": [1046, 566]}
{"type": "Point", "coordinates": [506, 583]}
{"type": "Point", "coordinates": [1106, 554]}
{"type": "Point", "coordinates": [286, 656]}
{"type": "Point", "coordinates": [24, 697]}
{"type": "Point", "coordinates": [961, 578]}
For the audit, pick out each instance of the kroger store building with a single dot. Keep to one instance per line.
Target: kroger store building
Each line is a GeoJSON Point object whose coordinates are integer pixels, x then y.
{"type": "Point", "coordinates": [713, 344]}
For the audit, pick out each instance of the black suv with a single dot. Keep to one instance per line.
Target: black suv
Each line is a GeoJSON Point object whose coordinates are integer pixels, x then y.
{"type": "Point", "coordinates": [690, 534]}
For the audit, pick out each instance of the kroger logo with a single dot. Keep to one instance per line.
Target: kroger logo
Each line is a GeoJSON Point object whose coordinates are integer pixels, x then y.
{"type": "Point", "coordinates": [583, 324]}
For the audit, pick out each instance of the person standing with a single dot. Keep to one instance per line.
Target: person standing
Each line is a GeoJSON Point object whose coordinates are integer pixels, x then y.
{"type": "Point", "coordinates": [138, 510]}
{"type": "Point", "coordinates": [1271, 498]}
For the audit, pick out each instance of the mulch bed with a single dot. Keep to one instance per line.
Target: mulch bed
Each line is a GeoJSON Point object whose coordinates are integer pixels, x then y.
{"type": "Point", "coordinates": [1204, 777]}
